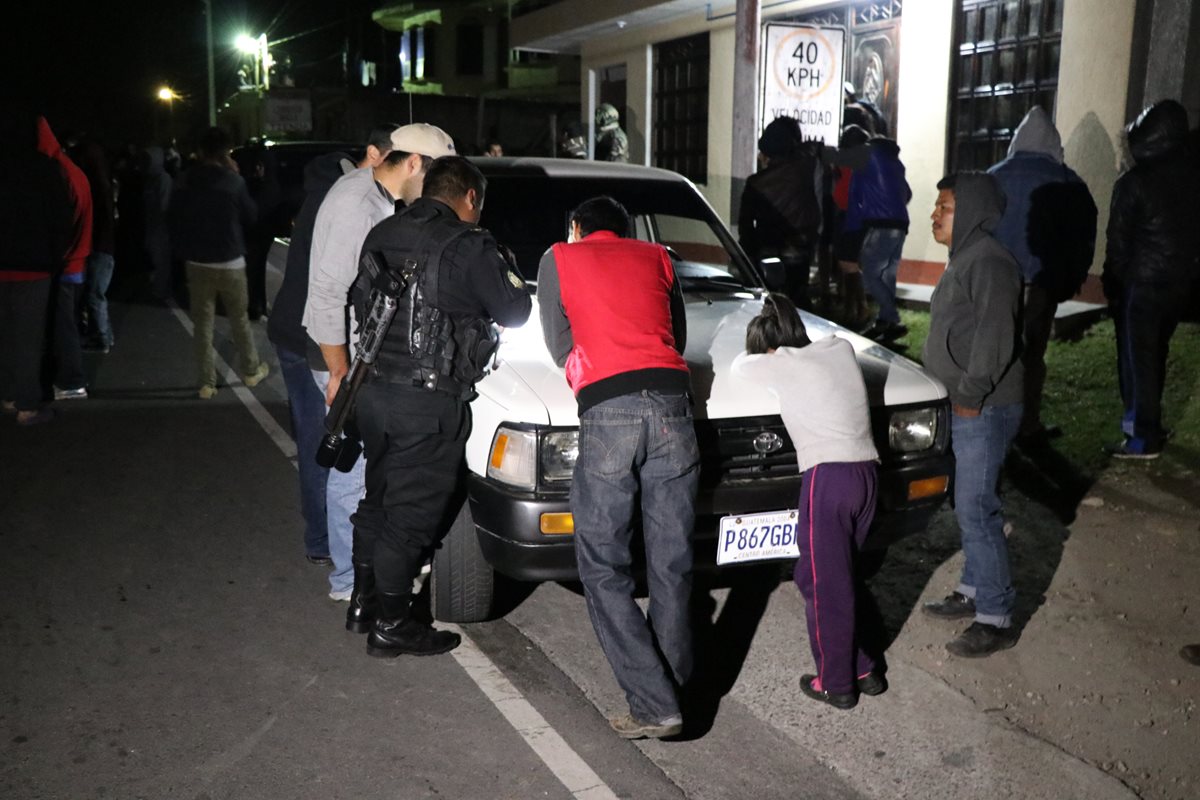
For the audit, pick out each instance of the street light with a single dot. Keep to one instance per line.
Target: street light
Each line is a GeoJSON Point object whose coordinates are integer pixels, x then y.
{"type": "Point", "coordinates": [169, 96]}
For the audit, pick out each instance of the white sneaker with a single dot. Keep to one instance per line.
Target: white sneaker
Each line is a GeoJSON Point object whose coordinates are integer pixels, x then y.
{"type": "Point", "coordinates": [70, 394]}
{"type": "Point", "coordinates": [342, 596]}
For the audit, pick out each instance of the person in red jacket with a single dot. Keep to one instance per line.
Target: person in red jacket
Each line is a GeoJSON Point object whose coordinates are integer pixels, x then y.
{"type": "Point", "coordinates": [35, 232]}
{"type": "Point", "coordinates": [70, 381]}
{"type": "Point", "coordinates": [612, 314]}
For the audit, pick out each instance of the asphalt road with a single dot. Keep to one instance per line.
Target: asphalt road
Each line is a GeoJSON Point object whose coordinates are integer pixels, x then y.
{"type": "Point", "coordinates": [161, 635]}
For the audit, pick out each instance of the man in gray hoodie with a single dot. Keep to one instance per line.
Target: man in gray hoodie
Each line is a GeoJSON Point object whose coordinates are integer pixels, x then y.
{"type": "Point", "coordinates": [973, 348]}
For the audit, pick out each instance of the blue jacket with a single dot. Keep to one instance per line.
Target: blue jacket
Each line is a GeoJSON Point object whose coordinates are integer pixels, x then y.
{"type": "Point", "coordinates": [879, 193]}
{"type": "Point", "coordinates": [1049, 222]}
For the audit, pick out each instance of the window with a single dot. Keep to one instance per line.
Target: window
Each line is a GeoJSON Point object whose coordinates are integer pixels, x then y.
{"type": "Point", "coordinates": [681, 106]}
{"type": "Point", "coordinates": [1006, 56]}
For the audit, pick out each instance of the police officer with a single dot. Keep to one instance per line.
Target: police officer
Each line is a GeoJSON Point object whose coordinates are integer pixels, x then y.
{"type": "Point", "coordinates": [412, 410]}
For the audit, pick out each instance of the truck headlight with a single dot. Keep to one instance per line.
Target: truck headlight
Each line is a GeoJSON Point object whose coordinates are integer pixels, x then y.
{"type": "Point", "coordinates": [912, 430]}
{"type": "Point", "coordinates": [560, 449]}
{"type": "Point", "coordinates": [513, 459]}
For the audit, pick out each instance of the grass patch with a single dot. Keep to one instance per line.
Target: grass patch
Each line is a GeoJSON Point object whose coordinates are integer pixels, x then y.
{"type": "Point", "coordinates": [1082, 395]}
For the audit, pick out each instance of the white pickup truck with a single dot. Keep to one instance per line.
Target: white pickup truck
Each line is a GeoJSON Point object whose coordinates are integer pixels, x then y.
{"type": "Point", "coordinates": [524, 441]}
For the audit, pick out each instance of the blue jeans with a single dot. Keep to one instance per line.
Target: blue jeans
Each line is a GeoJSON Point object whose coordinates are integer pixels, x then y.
{"type": "Point", "coordinates": [879, 260]}
{"type": "Point", "coordinates": [638, 446]}
{"type": "Point", "coordinates": [307, 408]}
{"type": "Point", "coordinates": [343, 491]}
{"type": "Point", "coordinates": [99, 276]}
{"type": "Point", "coordinates": [980, 445]}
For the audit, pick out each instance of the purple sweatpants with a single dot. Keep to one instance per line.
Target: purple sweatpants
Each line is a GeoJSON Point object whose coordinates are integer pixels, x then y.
{"type": "Point", "coordinates": [837, 504]}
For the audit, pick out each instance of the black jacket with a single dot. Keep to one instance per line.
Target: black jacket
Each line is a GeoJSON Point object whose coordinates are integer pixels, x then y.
{"type": "Point", "coordinates": [473, 281]}
{"type": "Point", "coordinates": [36, 213]}
{"type": "Point", "coordinates": [209, 212]}
{"type": "Point", "coordinates": [1153, 236]}
{"type": "Point", "coordinates": [284, 326]}
{"type": "Point", "coordinates": [781, 206]}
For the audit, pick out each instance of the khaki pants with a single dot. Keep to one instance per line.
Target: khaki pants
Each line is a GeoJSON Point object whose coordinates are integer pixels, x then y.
{"type": "Point", "coordinates": [205, 284]}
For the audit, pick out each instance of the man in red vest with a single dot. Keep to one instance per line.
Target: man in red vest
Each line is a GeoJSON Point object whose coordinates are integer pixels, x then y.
{"type": "Point", "coordinates": [612, 315]}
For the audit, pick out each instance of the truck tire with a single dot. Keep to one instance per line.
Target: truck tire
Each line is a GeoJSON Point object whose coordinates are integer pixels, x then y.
{"type": "Point", "coordinates": [463, 583]}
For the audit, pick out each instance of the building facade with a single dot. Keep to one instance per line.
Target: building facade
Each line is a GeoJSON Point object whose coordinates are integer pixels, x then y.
{"type": "Point", "coordinates": [953, 78]}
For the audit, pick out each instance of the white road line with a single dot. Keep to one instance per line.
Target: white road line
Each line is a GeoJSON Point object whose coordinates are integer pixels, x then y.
{"type": "Point", "coordinates": [558, 756]}
{"type": "Point", "coordinates": [281, 438]}
{"type": "Point", "coordinates": [581, 781]}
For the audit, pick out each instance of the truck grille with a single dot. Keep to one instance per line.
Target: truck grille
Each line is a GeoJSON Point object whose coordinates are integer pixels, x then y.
{"type": "Point", "coordinates": [728, 451]}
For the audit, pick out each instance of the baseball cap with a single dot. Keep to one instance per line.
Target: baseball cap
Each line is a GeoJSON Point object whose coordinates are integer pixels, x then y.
{"type": "Point", "coordinates": [422, 139]}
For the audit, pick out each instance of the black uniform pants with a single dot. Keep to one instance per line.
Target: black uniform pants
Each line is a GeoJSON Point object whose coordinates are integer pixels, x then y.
{"type": "Point", "coordinates": [1146, 316]}
{"type": "Point", "coordinates": [414, 442]}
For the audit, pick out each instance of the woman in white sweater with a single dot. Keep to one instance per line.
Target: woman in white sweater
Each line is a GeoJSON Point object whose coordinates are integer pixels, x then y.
{"type": "Point", "coordinates": [823, 401]}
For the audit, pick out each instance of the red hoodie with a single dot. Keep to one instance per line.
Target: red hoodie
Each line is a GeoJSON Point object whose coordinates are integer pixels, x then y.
{"type": "Point", "coordinates": [81, 199]}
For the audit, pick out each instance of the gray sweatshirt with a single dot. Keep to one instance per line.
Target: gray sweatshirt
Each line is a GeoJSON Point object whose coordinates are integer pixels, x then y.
{"type": "Point", "coordinates": [974, 341]}
{"type": "Point", "coordinates": [355, 204]}
{"type": "Point", "coordinates": [822, 399]}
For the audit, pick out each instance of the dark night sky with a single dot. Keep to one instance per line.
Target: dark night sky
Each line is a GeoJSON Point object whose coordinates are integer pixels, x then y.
{"type": "Point", "coordinates": [95, 66]}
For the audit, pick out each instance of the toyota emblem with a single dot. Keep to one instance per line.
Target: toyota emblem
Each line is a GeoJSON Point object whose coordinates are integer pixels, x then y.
{"type": "Point", "coordinates": [768, 442]}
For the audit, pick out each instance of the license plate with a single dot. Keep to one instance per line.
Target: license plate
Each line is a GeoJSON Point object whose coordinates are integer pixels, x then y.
{"type": "Point", "coordinates": [758, 537]}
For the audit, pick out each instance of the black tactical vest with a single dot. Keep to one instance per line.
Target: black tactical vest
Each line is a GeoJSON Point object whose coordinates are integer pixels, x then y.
{"type": "Point", "coordinates": [426, 346]}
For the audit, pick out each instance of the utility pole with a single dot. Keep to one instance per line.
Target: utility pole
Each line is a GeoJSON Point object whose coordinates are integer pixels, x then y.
{"type": "Point", "coordinates": [745, 100]}
{"type": "Point", "coordinates": [212, 89]}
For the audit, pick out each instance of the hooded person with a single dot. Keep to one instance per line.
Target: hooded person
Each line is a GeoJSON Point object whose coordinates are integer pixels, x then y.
{"type": "Point", "coordinates": [101, 262]}
{"type": "Point", "coordinates": [1049, 227]}
{"type": "Point", "coordinates": [973, 347]}
{"type": "Point", "coordinates": [1151, 266]}
{"type": "Point", "coordinates": [35, 232]}
{"type": "Point", "coordinates": [69, 378]}
{"type": "Point", "coordinates": [781, 210]}
{"type": "Point", "coordinates": [878, 206]}
{"type": "Point", "coordinates": [157, 186]}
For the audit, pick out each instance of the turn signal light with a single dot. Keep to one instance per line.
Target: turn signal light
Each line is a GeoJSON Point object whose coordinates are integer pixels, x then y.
{"type": "Point", "coordinates": [557, 523]}
{"type": "Point", "coordinates": [928, 487]}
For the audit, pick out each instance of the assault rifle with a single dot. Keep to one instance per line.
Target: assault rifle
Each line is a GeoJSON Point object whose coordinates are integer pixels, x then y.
{"type": "Point", "coordinates": [386, 286]}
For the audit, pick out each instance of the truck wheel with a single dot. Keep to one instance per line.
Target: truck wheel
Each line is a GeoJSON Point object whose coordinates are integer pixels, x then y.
{"type": "Point", "coordinates": [462, 582]}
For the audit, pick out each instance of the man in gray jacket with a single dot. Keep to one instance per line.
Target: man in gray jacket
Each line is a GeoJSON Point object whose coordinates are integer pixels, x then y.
{"type": "Point", "coordinates": [974, 348]}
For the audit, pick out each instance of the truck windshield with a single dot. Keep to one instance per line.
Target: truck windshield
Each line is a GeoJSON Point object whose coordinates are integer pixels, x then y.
{"type": "Point", "coordinates": [528, 213]}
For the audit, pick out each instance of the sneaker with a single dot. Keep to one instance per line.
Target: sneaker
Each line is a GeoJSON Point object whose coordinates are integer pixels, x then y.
{"type": "Point", "coordinates": [627, 726]}
{"type": "Point", "coordinates": [71, 394]}
{"type": "Point", "coordinates": [341, 596]}
{"type": "Point", "coordinates": [9, 406]}
{"type": "Point", "coordinates": [208, 392]}
{"type": "Point", "coordinates": [810, 686]}
{"type": "Point", "coordinates": [980, 640]}
{"type": "Point", "coordinates": [953, 606]}
{"type": "Point", "coordinates": [872, 684]}
{"type": "Point", "coordinates": [1122, 451]}
{"type": "Point", "coordinates": [38, 417]}
{"type": "Point", "coordinates": [96, 346]}
{"type": "Point", "coordinates": [320, 561]}
{"type": "Point", "coordinates": [255, 378]}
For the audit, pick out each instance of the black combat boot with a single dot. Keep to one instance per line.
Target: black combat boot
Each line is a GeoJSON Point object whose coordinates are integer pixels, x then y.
{"type": "Point", "coordinates": [395, 631]}
{"type": "Point", "coordinates": [363, 604]}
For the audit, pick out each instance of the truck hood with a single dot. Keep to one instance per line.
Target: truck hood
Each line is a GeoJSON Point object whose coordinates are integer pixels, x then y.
{"type": "Point", "coordinates": [528, 385]}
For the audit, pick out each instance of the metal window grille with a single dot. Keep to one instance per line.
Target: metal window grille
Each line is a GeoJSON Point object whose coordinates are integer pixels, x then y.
{"type": "Point", "coordinates": [1005, 61]}
{"type": "Point", "coordinates": [681, 106]}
